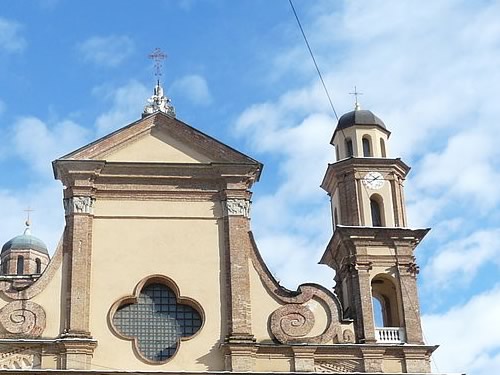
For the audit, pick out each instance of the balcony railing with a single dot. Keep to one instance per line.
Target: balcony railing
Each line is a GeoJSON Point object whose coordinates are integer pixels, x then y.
{"type": "Point", "coordinates": [390, 335]}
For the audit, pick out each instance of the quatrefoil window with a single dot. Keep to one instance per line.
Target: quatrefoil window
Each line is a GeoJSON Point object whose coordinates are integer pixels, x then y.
{"type": "Point", "coordinates": [156, 319]}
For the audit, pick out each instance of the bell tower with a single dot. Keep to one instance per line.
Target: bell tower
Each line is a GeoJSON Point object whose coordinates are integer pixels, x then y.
{"type": "Point", "coordinates": [372, 248]}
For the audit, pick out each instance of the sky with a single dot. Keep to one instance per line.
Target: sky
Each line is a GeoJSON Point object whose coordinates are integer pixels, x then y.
{"type": "Point", "coordinates": [73, 71]}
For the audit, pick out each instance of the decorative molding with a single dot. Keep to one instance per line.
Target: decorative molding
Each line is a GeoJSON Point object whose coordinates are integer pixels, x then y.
{"type": "Point", "coordinates": [237, 207]}
{"type": "Point", "coordinates": [338, 366]}
{"type": "Point", "coordinates": [78, 205]}
{"type": "Point", "coordinates": [291, 322]}
{"type": "Point", "coordinates": [22, 318]}
{"type": "Point", "coordinates": [16, 359]}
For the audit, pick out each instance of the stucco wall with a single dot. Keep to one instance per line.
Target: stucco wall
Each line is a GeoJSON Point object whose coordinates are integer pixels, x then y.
{"type": "Point", "coordinates": [181, 240]}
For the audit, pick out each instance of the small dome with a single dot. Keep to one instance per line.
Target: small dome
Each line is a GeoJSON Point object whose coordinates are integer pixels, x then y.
{"type": "Point", "coordinates": [25, 242]}
{"type": "Point", "coordinates": [359, 117]}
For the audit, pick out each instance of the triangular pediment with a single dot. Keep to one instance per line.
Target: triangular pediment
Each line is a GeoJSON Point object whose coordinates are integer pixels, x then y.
{"type": "Point", "coordinates": [159, 138]}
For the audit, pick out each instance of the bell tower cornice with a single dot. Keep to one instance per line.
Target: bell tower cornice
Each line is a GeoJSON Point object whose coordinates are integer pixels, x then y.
{"type": "Point", "coordinates": [359, 166]}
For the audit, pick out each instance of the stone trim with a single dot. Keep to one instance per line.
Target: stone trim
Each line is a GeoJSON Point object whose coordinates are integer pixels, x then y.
{"type": "Point", "coordinates": [161, 279]}
{"type": "Point", "coordinates": [22, 319]}
{"type": "Point", "coordinates": [78, 205]}
{"type": "Point", "coordinates": [236, 207]}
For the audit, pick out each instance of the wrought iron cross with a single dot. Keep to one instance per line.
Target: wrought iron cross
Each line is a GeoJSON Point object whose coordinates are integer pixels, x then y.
{"type": "Point", "coordinates": [157, 56]}
{"type": "Point", "coordinates": [356, 94]}
{"type": "Point", "coordinates": [28, 210]}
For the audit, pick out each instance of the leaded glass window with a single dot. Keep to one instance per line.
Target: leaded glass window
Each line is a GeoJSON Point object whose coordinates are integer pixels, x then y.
{"type": "Point", "coordinates": [158, 321]}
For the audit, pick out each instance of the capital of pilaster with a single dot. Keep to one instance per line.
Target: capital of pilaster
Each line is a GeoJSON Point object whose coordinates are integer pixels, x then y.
{"type": "Point", "coordinates": [236, 207]}
{"type": "Point", "coordinates": [78, 205]}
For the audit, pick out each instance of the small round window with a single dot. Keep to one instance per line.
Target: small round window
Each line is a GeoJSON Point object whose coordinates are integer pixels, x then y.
{"type": "Point", "coordinates": [157, 320]}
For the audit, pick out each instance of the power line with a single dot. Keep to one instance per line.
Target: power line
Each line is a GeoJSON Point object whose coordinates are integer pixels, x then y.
{"type": "Point", "coordinates": [314, 60]}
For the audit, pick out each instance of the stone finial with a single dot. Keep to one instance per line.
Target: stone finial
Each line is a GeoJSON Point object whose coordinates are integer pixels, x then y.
{"type": "Point", "coordinates": [158, 102]}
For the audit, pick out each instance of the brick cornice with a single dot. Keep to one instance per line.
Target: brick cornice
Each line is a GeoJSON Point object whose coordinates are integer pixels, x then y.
{"type": "Point", "coordinates": [393, 169]}
{"type": "Point", "coordinates": [348, 241]}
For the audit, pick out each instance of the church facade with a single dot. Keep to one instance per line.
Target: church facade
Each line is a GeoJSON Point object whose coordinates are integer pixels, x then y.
{"type": "Point", "coordinates": [158, 271]}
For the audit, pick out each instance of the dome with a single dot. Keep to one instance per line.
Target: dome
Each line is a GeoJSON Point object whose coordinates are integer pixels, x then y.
{"type": "Point", "coordinates": [25, 242]}
{"type": "Point", "coordinates": [359, 117]}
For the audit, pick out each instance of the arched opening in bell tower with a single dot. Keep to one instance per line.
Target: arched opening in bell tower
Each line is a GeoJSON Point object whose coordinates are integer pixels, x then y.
{"type": "Point", "coordinates": [367, 147]}
{"type": "Point", "coordinates": [377, 210]}
{"type": "Point", "coordinates": [20, 265]}
{"type": "Point", "coordinates": [382, 148]}
{"type": "Point", "coordinates": [385, 297]}
{"type": "Point", "coordinates": [349, 148]}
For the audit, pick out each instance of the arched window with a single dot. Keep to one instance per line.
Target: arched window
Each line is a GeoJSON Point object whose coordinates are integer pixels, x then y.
{"type": "Point", "coordinates": [20, 265]}
{"type": "Point", "coordinates": [367, 150]}
{"type": "Point", "coordinates": [378, 312]}
{"type": "Point", "coordinates": [348, 147]}
{"type": "Point", "coordinates": [5, 267]}
{"type": "Point", "coordinates": [385, 302]}
{"type": "Point", "coordinates": [382, 148]}
{"type": "Point", "coordinates": [38, 265]}
{"type": "Point", "coordinates": [376, 210]}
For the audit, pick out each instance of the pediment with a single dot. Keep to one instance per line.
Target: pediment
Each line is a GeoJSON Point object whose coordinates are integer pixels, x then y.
{"type": "Point", "coordinates": [159, 138]}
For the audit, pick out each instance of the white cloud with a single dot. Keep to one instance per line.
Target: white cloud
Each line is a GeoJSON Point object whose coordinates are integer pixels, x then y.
{"type": "Point", "coordinates": [459, 261]}
{"type": "Point", "coordinates": [194, 87]}
{"type": "Point", "coordinates": [283, 230]}
{"type": "Point", "coordinates": [126, 105]}
{"type": "Point", "coordinates": [468, 335]}
{"type": "Point", "coordinates": [38, 144]}
{"type": "Point", "coordinates": [11, 39]}
{"type": "Point", "coordinates": [467, 168]}
{"type": "Point", "coordinates": [107, 51]}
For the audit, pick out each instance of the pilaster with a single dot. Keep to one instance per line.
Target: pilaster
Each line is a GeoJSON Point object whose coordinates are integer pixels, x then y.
{"type": "Point", "coordinates": [373, 359]}
{"type": "Point", "coordinates": [303, 358]}
{"type": "Point", "coordinates": [411, 306]}
{"type": "Point", "coordinates": [236, 228]}
{"type": "Point", "coordinates": [78, 177]}
{"type": "Point", "coordinates": [77, 251]}
{"type": "Point", "coordinates": [361, 286]}
{"type": "Point", "coordinates": [77, 354]}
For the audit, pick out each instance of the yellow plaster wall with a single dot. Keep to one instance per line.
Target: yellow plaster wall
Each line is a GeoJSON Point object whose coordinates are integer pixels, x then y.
{"type": "Point", "coordinates": [273, 363]}
{"type": "Point", "coordinates": [263, 304]}
{"type": "Point", "coordinates": [130, 245]}
{"type": "Point", "coordinates": [50, 299]}
{"type": "Point", "coordinates": [156, 146]}
{"type": "Point", "coordinates": [320, 316]}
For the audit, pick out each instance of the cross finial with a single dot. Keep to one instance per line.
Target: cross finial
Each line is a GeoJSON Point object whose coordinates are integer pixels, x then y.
{"type": "Point", "coordinates": [157, 56]}
{"type": "Point", "coordinates": [28, 220]}
{"type": "Point", "coordinates": [357, 107]}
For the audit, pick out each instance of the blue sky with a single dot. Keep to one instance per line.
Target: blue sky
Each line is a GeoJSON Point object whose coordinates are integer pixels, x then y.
{"type": "Point", "coordinates": [239, 71]}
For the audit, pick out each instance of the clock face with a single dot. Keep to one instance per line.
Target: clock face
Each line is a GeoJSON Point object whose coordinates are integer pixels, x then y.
{"type": "Point", "coordinates": [374, 180]}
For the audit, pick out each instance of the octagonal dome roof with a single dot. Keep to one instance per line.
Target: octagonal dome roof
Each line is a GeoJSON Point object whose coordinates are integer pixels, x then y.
{"type": "Point", "coordinates": [25, 241]}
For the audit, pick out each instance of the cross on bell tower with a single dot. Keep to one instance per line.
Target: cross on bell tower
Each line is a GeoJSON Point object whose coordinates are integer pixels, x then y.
{"type": "Point", "coordinates": [357, 106]}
